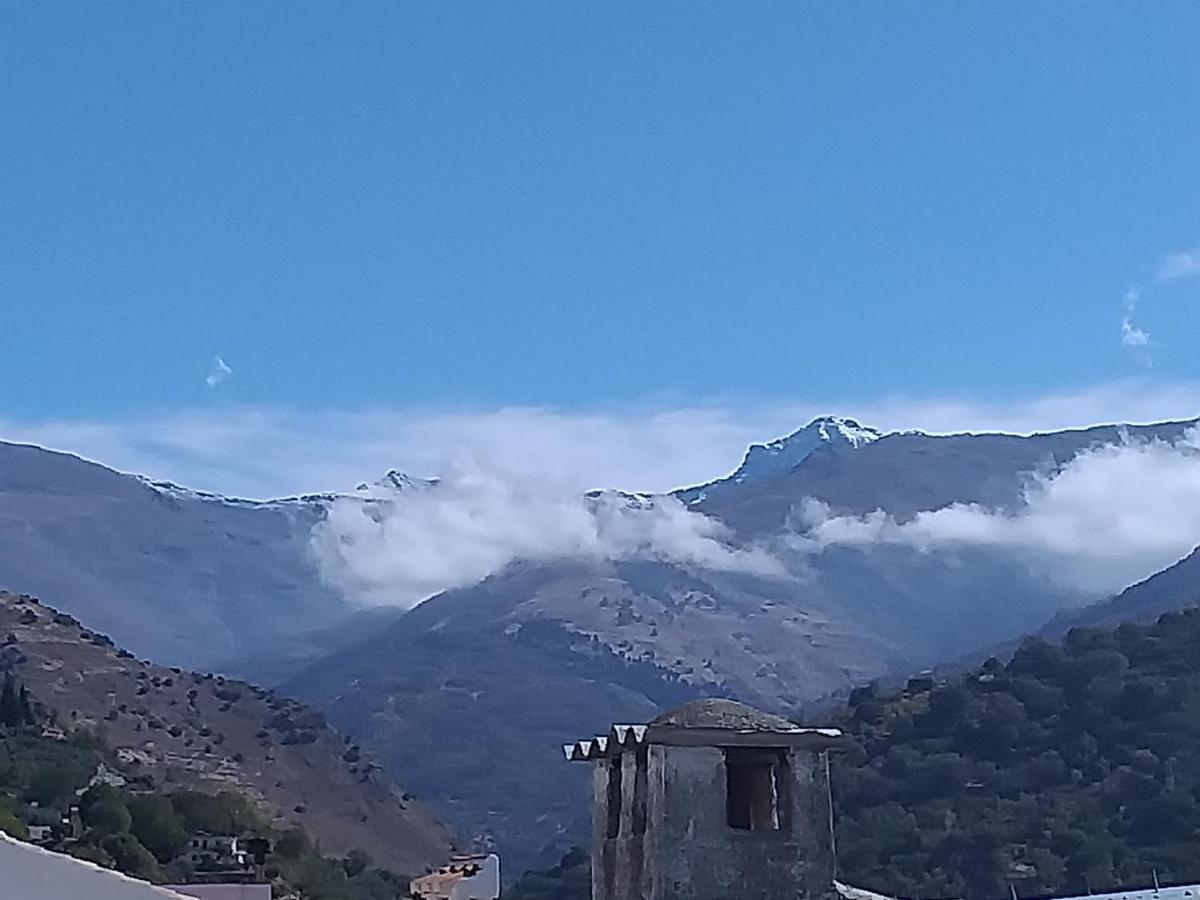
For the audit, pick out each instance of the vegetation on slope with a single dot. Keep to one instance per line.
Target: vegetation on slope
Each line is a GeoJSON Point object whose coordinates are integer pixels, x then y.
{"type": "Point", "coordinates": [49, 778]}
{"type": "Point", "coordinates": [1075, 767]}
{"type": "Point", "coordinates": [205, 732]}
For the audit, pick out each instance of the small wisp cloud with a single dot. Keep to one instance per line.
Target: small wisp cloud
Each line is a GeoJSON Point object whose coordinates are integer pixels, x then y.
{"type": "Point", "coordinates": [1131, 334]}
{"type": "Point", "coordinates": [1179, 265]}
{"type": "Point", "coordinates": [220, 372]}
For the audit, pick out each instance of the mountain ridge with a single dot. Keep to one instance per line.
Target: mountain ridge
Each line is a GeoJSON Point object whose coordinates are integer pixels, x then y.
{"type": "Point", "coordinates": [540, 651]}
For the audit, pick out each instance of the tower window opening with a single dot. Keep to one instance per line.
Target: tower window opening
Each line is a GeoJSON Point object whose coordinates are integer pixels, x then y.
{"type": "Point", "coordinates": [755, 787]}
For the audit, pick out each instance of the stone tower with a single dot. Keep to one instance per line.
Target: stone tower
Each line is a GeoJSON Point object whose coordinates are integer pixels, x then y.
{"type": "Point", "coordinates": [712, 801]}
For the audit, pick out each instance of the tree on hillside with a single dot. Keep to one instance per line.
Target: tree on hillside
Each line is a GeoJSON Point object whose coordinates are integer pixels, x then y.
{"type": "Point", "coordinates": [51, 784]}
{"type": "Point", "coordinates": [15, 708]}
{"type": "Point", "coordinates": [158, 826]}
{"type": "Point", "coordinates": [1074, 767]}
{"type": "Point", "coordinates": [11, 825]}
{"type": "Point", "coordinates": [103, 808]}
{"type": "Point", "coordinates": [130, 856]}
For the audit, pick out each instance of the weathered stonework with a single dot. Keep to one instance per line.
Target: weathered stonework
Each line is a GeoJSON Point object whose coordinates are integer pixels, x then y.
{"type": "Point", "coordinates": [714, 801]}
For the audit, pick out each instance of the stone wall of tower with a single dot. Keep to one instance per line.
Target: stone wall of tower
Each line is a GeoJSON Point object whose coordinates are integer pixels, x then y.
{"type": "Point", "coordinates": [619, 854]}
{"type": "Point", "coordinates": [674, 841]}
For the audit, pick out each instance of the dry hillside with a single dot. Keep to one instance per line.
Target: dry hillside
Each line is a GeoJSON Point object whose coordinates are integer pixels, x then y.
{"type": "Point", "coordinates": [210, 733]}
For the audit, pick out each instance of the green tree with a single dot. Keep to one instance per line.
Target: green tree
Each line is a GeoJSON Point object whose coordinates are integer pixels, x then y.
{"type": "Point", "coordinates": [292, 844]}
{"type": "Point", "coordinates": [50, 784]}
{"type": "Point", "coordinates": [356, 862]}
{"type": "Point", "coordinates": [10, 703]}
{"type": "Point", "coordinates": [103, 808]}
{"type": "Point", "coordinates": [12, 826]}
{"type": "Point", "coordinates": [158, 826]}
{"type": "Point", "coordinates": [130, 856]}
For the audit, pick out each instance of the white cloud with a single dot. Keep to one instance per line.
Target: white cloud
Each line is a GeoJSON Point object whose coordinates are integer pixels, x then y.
{"type": "Point", "coordinates": [269, 452]}
{"type": "Point", "coordinates": [1179, 265]}
{"type": "Point", "coordinates": [219, 372]}
{"type": "Point", "coordinates": [1111, 516]}
{"type": "Point", "coordinates": [477, 520]}
{"type": "Point", "coordinates": [1132, 335]}
{"type": "Point", "coordinates": [518, 495]}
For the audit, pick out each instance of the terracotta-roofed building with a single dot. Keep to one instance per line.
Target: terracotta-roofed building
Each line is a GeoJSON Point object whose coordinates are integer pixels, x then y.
{"type": "Point", "coordinates": [475, 877]}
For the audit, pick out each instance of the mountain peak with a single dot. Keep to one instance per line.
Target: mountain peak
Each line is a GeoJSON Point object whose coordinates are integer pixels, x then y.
{"type": "Point", "coordinates": [784, 454]}
{"type": "Point", "coordinates": [397, 482]}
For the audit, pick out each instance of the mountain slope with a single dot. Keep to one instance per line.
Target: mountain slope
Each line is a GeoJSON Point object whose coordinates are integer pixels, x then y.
{"type": "Point", "coordinates": [207, 732]}
{"type": "Point", "coordinates": [513, 659]}
{"type": "Point", "coordinates": [1174, 588]}
{"type": "Point", "coordinates": [908, 472]}
{"type": "Point", "coordinates": [542, 650]}
{"type": "Point", "coordinates": [195, 579]}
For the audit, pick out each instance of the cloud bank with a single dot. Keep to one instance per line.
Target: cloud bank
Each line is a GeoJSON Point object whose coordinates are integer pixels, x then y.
{"type": "Point", "coordinates": [265, 452]}
{"type": "Point", "coordinates": [1112, 516]}
{"type": "Point", "coordinates": [398, 550]}
{"type": "Point", "coordinates": [519, 493]}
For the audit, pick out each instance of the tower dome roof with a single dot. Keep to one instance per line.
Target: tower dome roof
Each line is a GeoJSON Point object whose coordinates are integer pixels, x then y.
{"type": "Point", "coordinates": [723, 714]}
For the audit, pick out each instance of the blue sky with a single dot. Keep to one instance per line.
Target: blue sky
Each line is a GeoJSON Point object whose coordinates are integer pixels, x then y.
{"type": "Point", "coordinates": [591, 205]}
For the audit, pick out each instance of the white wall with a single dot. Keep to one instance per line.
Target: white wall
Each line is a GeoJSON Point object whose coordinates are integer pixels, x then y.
{"type": "Point", "coordinates": [224, 891]}
{"type": "Point", "coordinates": [31, 873]}
{"type": "Point", "coordinates": [483, 886]}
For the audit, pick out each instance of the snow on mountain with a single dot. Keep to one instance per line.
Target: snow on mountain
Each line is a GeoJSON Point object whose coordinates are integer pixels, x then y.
{"type": "Point", "coordinates": [178, 492]}
{"type": "Point", "coordinates": [785, 453]}
{"type": "Point", "coordinates": [396, 482]}
{"type": "Point", "coordinates": [781, 455]}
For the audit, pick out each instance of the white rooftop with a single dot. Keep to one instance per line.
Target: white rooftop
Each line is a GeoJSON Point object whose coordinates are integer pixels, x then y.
{"type": "Point", "coordinates": [31, 873]}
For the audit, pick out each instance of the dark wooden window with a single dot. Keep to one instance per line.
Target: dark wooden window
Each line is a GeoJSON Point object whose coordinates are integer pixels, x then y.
{"type": "Point", "coordinates": [756, 784]}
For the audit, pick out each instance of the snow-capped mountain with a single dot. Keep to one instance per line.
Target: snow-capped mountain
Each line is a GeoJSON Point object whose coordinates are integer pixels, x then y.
{"type": "Point", "coordinates": [546, 648]}
{"type": "Point", "coordinates": [772, 459]}
{"type": "Point", "coordinates": [785, 453]}
{"type": "Point", "coordinates": [395, 482]}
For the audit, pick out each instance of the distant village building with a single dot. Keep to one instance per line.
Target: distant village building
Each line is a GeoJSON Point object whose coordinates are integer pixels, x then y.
{"type": "Point", "coordinates": [463, 878]}
{"type": "Point", "coordinates": [712, 801]}
{"type": "Point", "coordinates": [215, 851]}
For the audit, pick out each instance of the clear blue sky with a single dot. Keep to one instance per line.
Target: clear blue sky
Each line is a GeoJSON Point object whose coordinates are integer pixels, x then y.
{"type": "Point", "coordinates": [584, 203]}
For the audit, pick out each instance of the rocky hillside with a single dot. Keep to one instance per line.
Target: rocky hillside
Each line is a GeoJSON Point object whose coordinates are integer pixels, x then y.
{"type": "Point", "coordinates": [207, 732]}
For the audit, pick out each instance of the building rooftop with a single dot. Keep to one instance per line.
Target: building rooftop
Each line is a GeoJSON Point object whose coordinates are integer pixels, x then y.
{"type": "Point", "coordinates": [700, 723]}
{"type": "Point", "coordinates": [723, 714]}
{"type": "Point", "coordinates": [32, 873]}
